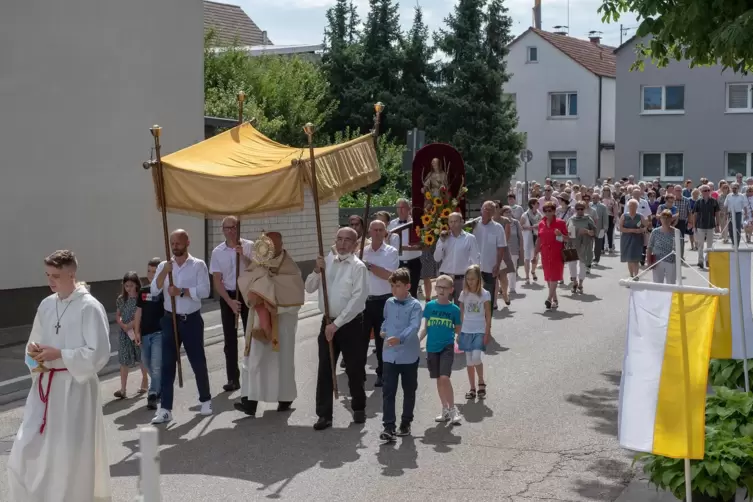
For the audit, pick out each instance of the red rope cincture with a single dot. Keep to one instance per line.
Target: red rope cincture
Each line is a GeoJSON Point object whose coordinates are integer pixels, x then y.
{"type": "Point", "coordinates": [45, 396]}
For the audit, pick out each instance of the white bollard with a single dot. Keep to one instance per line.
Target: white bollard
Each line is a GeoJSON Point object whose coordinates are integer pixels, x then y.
{"type": "Point", "coordinates": [150, 471]}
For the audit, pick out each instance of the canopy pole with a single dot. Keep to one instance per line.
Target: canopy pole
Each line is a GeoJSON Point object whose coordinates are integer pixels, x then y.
{"type": "Point", "coordinates": [686, 364]}
{"type": "Point", "coordinates": [156, 132]}
{"type": "Point", "coordinates": [309, 130]}
{"type": "Point", "coordinates": [736, 235]}
{"type": "Point", "coordinates": [241, 100]}
{"type": "Point", "coordinates": [378, 108]}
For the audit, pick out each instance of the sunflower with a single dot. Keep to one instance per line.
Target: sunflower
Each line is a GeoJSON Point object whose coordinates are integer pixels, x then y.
{"type": "Point", "coordinates": [428, 195]}
{"type": "Point", "coordinates": [428, 239]}
{"type": "Point", "coordinates": [445, 228]}
{"type": "Point", "coordinates": [426, 219]}
{"type": "Point", "coordinates": [445, 212]}
{"type": "Point", "coordinates": [432, 210]}
{"type": "Point", "coordinates": [437, 201]}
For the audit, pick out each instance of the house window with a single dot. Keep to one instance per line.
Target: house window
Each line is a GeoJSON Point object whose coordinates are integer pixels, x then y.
{"type": "Point", "coordinates": [532, 55]}
{"type": "Point", "coordinates": [739, 98]}
{"type": "Point", "coordinates": [563, 104]}
{"type": "Point", "coordinates": [563, 164]}
{"type": "Point", "coordinates": [669, 99]}
{"type": "Point", "coordinates": [738, 163]}
{"type": "Point", "coordinates": [665, 166]}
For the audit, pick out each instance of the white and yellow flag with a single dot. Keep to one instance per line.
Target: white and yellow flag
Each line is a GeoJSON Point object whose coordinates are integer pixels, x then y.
{"type": "Point", "coordinates": [653, 403]}
{"type": "Point", "coordinates": [728, 333]}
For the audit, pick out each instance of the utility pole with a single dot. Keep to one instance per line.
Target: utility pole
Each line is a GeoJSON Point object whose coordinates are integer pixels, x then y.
{"type": "Point", "coordinates": [621, 32]}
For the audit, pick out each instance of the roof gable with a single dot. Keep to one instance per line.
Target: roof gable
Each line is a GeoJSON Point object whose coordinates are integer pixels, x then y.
{"type": "Point", "coordinates": [231, 25]}
{"type": "Point", "coordinates": [599, 59]}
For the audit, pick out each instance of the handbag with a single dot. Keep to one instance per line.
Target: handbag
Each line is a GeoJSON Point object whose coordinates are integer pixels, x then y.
{"type": "Point", "coordinates": [569, 254]}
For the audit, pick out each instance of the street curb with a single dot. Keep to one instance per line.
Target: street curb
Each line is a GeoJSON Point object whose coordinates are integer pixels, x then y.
{"type": "Point", "coordinates": [112, 368]}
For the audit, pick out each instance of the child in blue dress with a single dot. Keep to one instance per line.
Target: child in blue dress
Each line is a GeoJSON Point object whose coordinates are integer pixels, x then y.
{"type": "Point", "coordinates": [476, 313]}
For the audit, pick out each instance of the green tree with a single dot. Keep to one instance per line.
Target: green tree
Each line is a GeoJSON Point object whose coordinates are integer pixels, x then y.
{"type": "Point", "coordinates": [705, 32]}
{"type": "Point", "coordinates": [282, 93]}
{"type": "Point", "coordinates": [417, 103]}
{"type": "Point", "coordinates": [474, 117]}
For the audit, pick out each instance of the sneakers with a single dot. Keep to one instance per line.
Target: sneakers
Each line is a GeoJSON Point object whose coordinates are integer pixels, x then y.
{"type": "Point", "coordinates": [388, 434]}
{"type": "Point", "coordinates": [455, 417]}
{"type": "Point", "coordinates": [151, 402]}
{"type": "Point", "coordinates": [404, 430]}
{"type": "Point", "coordinates": [444, 416]}
{"type": "Point", "coordinates": [162, 416]}
{"type": "Point", "coordinates": [206, 408]}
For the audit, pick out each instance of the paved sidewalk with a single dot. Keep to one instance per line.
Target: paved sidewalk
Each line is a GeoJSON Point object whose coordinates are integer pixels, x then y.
{"type": "Point", "coordinates": [14, 375]}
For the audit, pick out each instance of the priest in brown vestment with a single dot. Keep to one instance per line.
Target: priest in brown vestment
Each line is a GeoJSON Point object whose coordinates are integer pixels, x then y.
{"type": "Point", "coordinates": [272, 287]}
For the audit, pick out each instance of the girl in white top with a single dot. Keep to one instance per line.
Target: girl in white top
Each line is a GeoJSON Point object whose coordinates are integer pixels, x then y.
{"type": "Point", "coordinates": [476, 315]}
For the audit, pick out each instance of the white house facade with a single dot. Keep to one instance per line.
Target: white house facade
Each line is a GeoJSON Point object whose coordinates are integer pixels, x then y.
{"type": "Point", "coordinates": [564, 92]}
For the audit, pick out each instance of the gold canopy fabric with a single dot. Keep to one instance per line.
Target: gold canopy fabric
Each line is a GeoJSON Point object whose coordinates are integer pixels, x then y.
{"type": "Point", "coordinates": [242, 172]}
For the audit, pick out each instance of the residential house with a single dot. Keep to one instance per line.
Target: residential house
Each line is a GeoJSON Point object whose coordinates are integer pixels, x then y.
{"type": "Point", "coordinates": [564, 92]}
{"type": "Point", "coordinates": [78, 99]}
{"type": "Point", "coordinates": [678, 122]}
{"type": "Point", "coordinates": [231, 25]}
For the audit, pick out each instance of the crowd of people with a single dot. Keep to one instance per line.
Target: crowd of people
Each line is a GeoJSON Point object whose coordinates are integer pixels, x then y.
{"type": "Point", "coordinates": [371, 278]}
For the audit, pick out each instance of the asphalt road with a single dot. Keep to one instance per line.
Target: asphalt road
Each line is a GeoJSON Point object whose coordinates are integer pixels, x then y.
{"type": "Point", "coordinates": [546, 432]}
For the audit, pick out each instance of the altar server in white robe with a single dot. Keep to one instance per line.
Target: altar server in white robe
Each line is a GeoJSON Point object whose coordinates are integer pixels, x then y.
{"type": "Point", "coordinates": [60, 453]}
{"type": "Point", "coordinates": [272, 287]}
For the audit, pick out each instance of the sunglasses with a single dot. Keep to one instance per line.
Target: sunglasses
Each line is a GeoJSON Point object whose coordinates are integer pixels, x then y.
{"type": "Point", "coordinates": [548, 210]}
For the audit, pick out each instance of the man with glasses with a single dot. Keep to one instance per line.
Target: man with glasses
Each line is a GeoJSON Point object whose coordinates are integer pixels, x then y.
{"type": "Point", "coordinates": [222, 267]}
{"type": "Point", "coordinates": [347, 290]}
{"type": "Point", "coordinates": [706, 218]}
{"type": "Point", "coordinates": [548, 196]}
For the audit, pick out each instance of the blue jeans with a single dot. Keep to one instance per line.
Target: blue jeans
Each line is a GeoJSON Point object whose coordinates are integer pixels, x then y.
{"type": "Point", "coordinates": [151, 356]}
{"type": "Point", "coordinates": [408, 375]}
{"type": "Point", "coordinates": [191, 336]}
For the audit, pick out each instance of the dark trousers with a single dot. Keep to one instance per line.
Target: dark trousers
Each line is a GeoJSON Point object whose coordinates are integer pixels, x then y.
{"type": "Point", "coordinates": [373, 319]}
{"type": "Point", "coordinates": [230, 330]}
{"type": "Point", "coordinates": [735, 236]}
{"type": "Point", "coordinates": [598, 248]}
{"type": "Point", "coordinates": [408, 375]}
{"type": "Point", "coordinates": [349, 340]}
{"type": "Point", "coordinates": [490, 284]}
{"type": "Point", "coordinates": [191, 335]}
{"type": "Point", "coordinates": [610, 233]}
{"type": "Point", "coordinates": [414, 267]}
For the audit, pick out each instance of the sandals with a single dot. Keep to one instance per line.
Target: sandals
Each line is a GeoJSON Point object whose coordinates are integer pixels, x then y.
{"type": "Point", "coordinates": [471, 394]}
{"type": "Point", "coordinates": [548, 304]}
{"type": "Point", "coordinates": [120, 394]}
{"type": "Point", "coordinates": [555, 305]}
{"type": "Point", "coordinates": [142, 391]}
{"type": "Point", "coordinates": [580, 288]}
{"type": "Point", "coordinates": [482, 391]}
{"type": "Point", "coordinates": [575, 287]}
{"type": "Point", "coordinates": [535, 278]}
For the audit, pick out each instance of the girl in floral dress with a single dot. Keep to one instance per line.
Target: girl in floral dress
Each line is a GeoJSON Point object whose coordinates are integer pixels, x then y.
{"type": "Point", "coordinates": [129, 353]}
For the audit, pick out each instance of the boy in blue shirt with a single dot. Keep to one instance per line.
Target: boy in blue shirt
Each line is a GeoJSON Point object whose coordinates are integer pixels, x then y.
{"type": "Point", "coordinates": [400, 355]}
{"type": "Point", "coordinates": [442, 324]}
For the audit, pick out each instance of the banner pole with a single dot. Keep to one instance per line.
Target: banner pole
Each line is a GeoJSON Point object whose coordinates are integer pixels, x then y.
{"type": "Point", "coordinates": [241, 100]}
{"type": "Point", "coordinates": [743, 333]}
{"type": "Point", "coordinates": [686, 365]}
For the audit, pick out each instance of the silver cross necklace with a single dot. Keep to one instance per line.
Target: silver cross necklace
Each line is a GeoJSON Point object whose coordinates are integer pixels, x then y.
{"type": "Point", "coordinates": [60, 316]}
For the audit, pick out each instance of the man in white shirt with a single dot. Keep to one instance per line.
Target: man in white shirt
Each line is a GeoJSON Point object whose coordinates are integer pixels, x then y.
{"type": "Point", "coordinates": [516, 210]}
{"type": "Point", "coordinates": [457, 250]}
{"type": "Point", "coordinates": [347, 290]}
{"type": "Point", "coordinates": [735, 204]}
{"type": "Point", "coordinates": [644, 209]}
{"type": "Point", "coordinates": [381, 260]}
{"type": "Point", "coordinates": [410, 255]}
{"type": "Point", "coordinates": [222, 267]}
{"type": "Point", "coordinates": [190, 285]}
{"type": "Point", "coordinates": [492, 243]}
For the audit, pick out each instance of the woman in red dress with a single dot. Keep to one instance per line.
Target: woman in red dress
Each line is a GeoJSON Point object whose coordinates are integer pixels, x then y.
{"type": "Point", "coordinates": [551, 242]}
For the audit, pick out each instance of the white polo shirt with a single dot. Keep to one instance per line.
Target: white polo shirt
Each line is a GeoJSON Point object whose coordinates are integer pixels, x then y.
{"type": "Point", "coordinates": [387, 258]}
{"type": "Point", "coordinates": [735, 203]}
{"type": "Point", "coordinates": [457, 253]}
{"type": "Point", "coordinates": [489, 237]}
{"type": "Point", "coordinates": [223, 261]}
{"type": "Point", "coordinates": [404, 255]}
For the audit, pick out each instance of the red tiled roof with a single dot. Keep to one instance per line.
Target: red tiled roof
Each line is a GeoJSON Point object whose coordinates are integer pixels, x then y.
{"type": "Point", "coordinates": [596, 58]}
{"type": "Point", "coordinates": [231, 24]}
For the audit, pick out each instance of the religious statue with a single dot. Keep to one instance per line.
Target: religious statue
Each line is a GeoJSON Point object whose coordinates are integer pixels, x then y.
{"type": "Point", "coordinates": [435, 180]}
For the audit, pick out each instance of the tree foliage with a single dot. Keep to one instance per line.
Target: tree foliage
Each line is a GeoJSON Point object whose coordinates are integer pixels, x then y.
{"type": "Point", "coordinates": [475, 118]}
{"type": "Point", "coordinates": [705, 32]}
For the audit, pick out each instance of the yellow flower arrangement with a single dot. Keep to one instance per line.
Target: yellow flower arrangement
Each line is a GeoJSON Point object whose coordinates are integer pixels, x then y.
{"type": "Point", "coordinates": [432, 210]}
{"type": "Point", "coordinates": [445, 212]}
{"type": "Point", "coordinates": [437, 202]}
{"type": "Point", "coordinates": [426, 219]}
{"type": "Point", "coordinates": [428, 239]}
{"type": "Point", "coordinates": [428, 195]}
{"type": "Point", "coordinates": [434, 220]}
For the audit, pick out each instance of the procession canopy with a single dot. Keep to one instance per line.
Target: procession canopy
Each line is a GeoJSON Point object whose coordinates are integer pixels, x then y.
{"type": "Point", "coordinates": [244, 173]}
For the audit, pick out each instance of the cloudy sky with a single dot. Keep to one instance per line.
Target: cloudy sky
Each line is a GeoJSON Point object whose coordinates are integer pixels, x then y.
{"type": "Point", "coordinates": [302, 21]}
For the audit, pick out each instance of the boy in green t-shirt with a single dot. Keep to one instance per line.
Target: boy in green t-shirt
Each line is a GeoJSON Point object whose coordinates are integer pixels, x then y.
{"type": "Point", "coordinates": [442, 324]}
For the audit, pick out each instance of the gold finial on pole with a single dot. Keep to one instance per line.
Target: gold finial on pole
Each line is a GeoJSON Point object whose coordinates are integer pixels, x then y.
{"type": "Point", "coordinates": [156, 131]}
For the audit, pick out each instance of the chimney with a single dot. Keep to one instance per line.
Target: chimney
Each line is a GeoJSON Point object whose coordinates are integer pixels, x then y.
{"type": "Point", "coordinates": [537, 14]}
{"type": "Point", "coordinates": [560, 30]}
{"type": "Point", "coordinates": [264, 38]}
{"type": "Point", "coordinates": [595, 40]}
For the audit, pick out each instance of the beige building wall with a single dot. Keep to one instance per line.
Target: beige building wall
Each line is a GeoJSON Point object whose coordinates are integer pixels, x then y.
{"type": "Point", "coordinates": [81, 83]}
{"type": "Point", "coordinates": [298, 230]}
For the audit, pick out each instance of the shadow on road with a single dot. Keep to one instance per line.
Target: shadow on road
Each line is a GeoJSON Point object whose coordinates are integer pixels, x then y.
{"type": "Point", "coordinates": [557, 315]}
{"type": "Point", "coordinates": [475, 411]}
{"type": "Point", "coordinates": [601, 404]}
{"type": "Point", "coordinates": [244, 452]}
{"type": "Point", "coordinates": [396, 458]}
{"type": "Point", "coordinates": [441, 437]}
